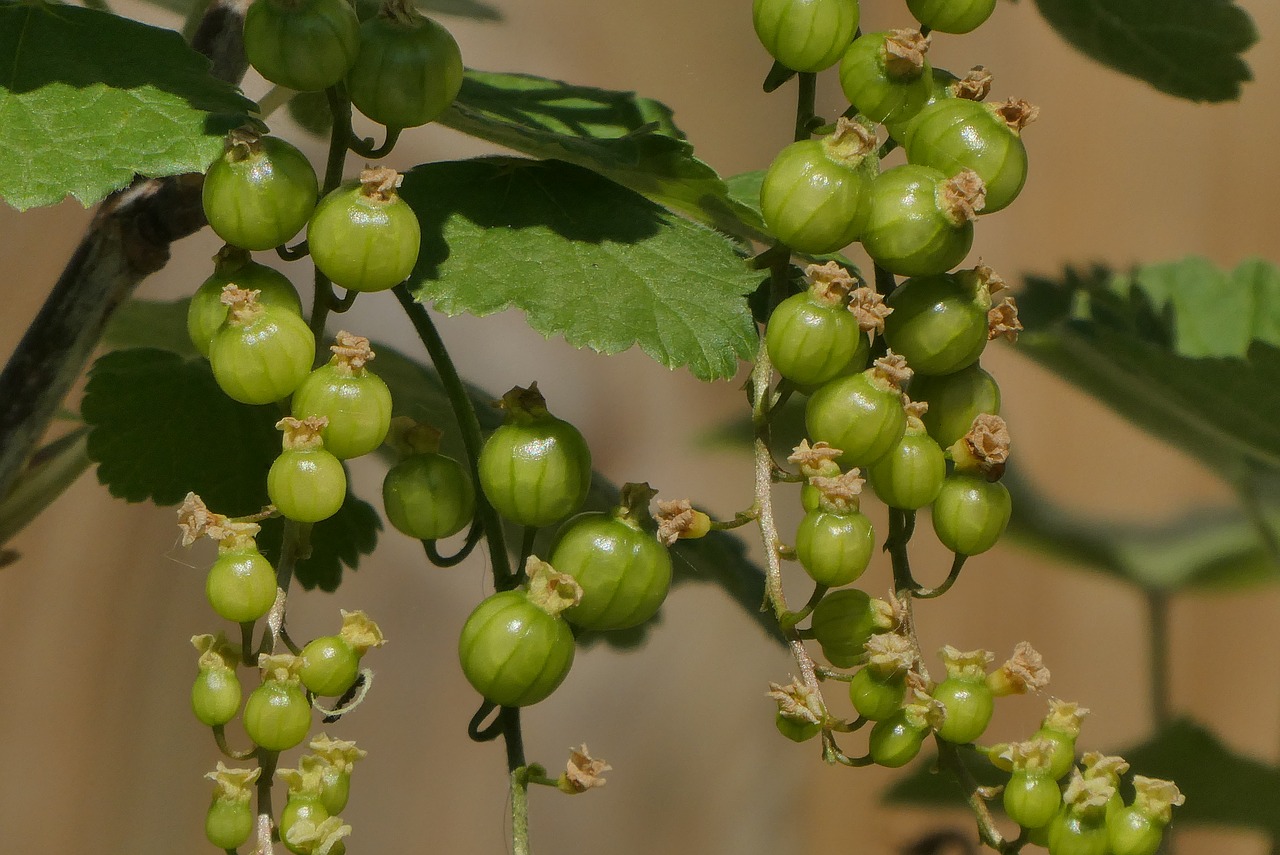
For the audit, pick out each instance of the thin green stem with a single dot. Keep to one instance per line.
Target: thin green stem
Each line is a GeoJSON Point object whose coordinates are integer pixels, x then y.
{"type": "Point", "coordinates": [366, 148]}
{"type": "Point", "coordinates": [469, 424]}
{"type": "Point", "coordinates": [339, 134]}
{"type": "Point", "coordinates": [293, 253]}
{"type": "Point", "coordinates": [950, 760]}
{"type": "Point", "coordinates": [805, 102]}
{"type": "Point", "coordinates": [248, 655]}
{"type": "Point", "coordinates": [526, 547]}
{"type": "Point", "coordinates": [267, 761]}
{"type": "Point", "coordinates": [220, 737]}
{"type": "Point", "coordinates": [929, 593]}
{"type": "Point", "coordinates": [473, 537]}
{"type": "Point", "coordinates": [520, 811]}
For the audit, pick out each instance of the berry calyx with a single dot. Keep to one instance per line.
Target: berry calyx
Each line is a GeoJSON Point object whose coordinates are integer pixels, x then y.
{"type": "Point", "coordinates": [1062, 727]}
{"type": "Point", "coordinates": [817, 460]}
{"type": "Point", "coordinates": [801, 714]}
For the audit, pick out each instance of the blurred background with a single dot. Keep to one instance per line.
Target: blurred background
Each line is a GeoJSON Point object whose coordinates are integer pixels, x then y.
{"type": "Point", "coordinates": [103, 754]}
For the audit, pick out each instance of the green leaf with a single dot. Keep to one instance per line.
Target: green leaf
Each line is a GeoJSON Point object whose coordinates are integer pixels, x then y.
{"type": "Point", "coordinates": [924, 785]}
{"type": "Point", "coordinates": [626, 138]}
{"type": "Point", "coordinates": [1222, 786]}
{"type": "Point", "coordinates": [1207, 550]}
{"type": "Point", "coordinates": [89, 99]}
{"type": "Point", "coordinates": [744, 188]}
{"type": "Point", "coordinates": [150, 323]}
{"type": "Point", "coordinates": [1187, 48]}
{"type": "Point", "coordinates": [336, 542]}
{"type": "Point", "coordinates": [584, 258]}
{"type": "Point", "coordinates": [161, 427]}
{"type": "Point", "coordinates": [1138, 343]}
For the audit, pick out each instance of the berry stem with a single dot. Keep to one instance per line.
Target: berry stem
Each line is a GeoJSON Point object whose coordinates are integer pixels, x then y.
{"type": "Point", "coordinates": [365, 147]}
{"type": "Point", "coordinates": [267, 761]}
{"type": "Point", "coordinates": [474, 534]}
{"type": "Point", "coordinates": [293, 253]}
{"type": "Point", "coordinates": [220, 737]}
{"type": "Point", "coordinates": [929, 593]}
{"type": "Point", "coordinates": [807, 98]}
{"type": "Point", "coordinates": [468, 424]}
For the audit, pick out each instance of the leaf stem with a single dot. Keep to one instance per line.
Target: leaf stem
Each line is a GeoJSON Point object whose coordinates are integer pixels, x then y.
{"type": "Point", "coordinates": [366, 148]}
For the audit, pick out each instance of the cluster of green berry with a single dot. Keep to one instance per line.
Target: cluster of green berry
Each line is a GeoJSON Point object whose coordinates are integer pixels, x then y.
{"type": "Point", "coordinates": [399, 67]}
{"type": "Point", "coordinates": [242, 588]}
{"type": "Point", "coordinates": [862, 354]}
{"type": "Point", "coordinates": [606, 571]}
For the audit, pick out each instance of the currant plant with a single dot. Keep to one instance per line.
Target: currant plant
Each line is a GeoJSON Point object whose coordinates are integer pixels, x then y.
{"type": "Point", "coordinates": [609, 233]}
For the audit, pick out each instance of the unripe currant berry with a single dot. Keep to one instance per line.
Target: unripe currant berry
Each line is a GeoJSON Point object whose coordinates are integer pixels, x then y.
{"type": "Point", "coordinates": [277, 715]}
{"type": "Point", "coordinates": [877, 697]}
{"type": "Point", "coordinates": [363, 235]}
{"type": "Point", "coordinates": [965, 695]}
{"type": "Point", "coordinates": [970, 513]}
{"type": "Point", "coordinates": [955, 400]}
{"type": "Point", "coordinates": [232, 266]}
{"type": "Point", "coordinates": [1080, 827]}
{"type": "Point", "coordinates": [1032, 800]}
{"type": "Point", "coordinates": [354, 401]}
{"type": "Point", "coordinates": [910, 475]}
{"type": "Point", "coordinates": [623, 570]}
{"type": "Point", "coordinates": [535, 469]}
{"type": "Point", "coordinates": [260, 192]}
{"type": "Point", "coordinates": [805, 35]}
{"type": "Point", "coordinates": [301, 808]}
{"type": "Point", "coordinates": [515, 649]}
{"type": "Point", "coordinates": [813, 337]}
{"type": "Point", "coordinates": [843, 621]}
{"type": "Point", "coordinates": [262, 353]}
{"type": "Point", "coordinates": [814, 198]}
{"type": "Point", "coordinates": [952, 16]}
{"type": "Point", "coordinates": [429, 496]}
{"type": "Point", "coordinates": [886, 76]}
{"type": "Point", "coordinates": [241, 585]}
{"type": "Point", "coordinates": [939, 322]}
{"type": "Point", "coordinates": [921, 221]}
{"type": "Point", "coordinates": [408, 70]}
{"type": "Point", "coordinates": [306, 483]}
{"type": "Point", "coordinates": [796, 730]}
{"type": "Point", "coordinates": [215, 695]}
{"type": "Point", "coordinates": [228, 823]}
{"type": "Point", "coordinates": [896, 740]}
{"type": "Point", "coordinates": [329, 666]}
{"type": "Point", "coordinates": [1139, 828]}
{"type": "Point", "coordinates": [862, 415]}
{"type": "Point", "coordinates": [955, 134]}
{"type": "Point", "coordinates": [306, 45]}
{"type": "Point", "coordinates": [834, 543]}
{"type": "Point", "coordinates": [1061, 727]}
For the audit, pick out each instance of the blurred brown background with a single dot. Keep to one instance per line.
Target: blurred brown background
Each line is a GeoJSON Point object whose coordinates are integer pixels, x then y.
{"type": "Point", "coordinates": [103, 755]}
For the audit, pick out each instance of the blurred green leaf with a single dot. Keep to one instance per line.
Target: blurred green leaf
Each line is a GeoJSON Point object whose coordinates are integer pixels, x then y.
{"type": "Point", "coordinates": [1207, 550]}
{"type": "Point", "coordinates": [1179, 349]}
{"type": "Point", "coordinates": [925, 785]}
{"type": "Point", "coordinates": [1187, 48]}
{"type": "Point", "coordinates": [1222, 786]}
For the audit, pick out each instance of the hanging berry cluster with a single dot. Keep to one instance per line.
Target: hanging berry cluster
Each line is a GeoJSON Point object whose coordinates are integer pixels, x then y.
{"type": "Point", "coordinates": [897, 399]}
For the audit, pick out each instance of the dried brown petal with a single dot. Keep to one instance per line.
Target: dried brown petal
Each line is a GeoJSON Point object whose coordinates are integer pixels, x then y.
{"type": "Point", "coordinates": [352, 351]}
{"type": "Point", "coordinates": [962, 196]}
{"type": "Point", "coordinates": [870, 310]}
{"type": "Point", "coordinates": [974, 86]}
{"type": "Point", "coordinates": [583, 772]}
{"type": "Point", "coordinates": [904, 52]}
{"type": "Point", "coordinates": [1002, 320]}
{"type": "Point", "coordinates": [1017, 113]}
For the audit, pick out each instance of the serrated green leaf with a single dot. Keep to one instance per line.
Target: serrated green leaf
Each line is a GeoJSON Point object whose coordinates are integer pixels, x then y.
{"type": "Point", "coordinates": [336, 542]}
{"type": "Point", "coordinates": [924, 785]}
{"type": "Point", "coordinates": [1187, 48]}
{"type": "Point", "coordinates": [89, 99]}
{"type": "Point", "coordinates": [744, 188]}
{"type": "Point", "coordinates": [1132, 344]}
{"type": "Point", "coordinates": [1209, 549]}
{"type": "Point", "coordinates": [584, 258]}
{"type": "Point", "coordinates": [162, 427]}
{"type": "Point", "coordinates": [626, 138]}
{"type": "Point", "coordinates": [1222, 786]}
